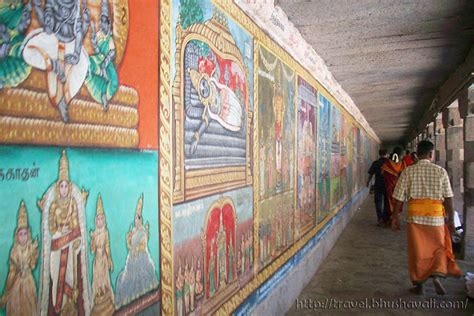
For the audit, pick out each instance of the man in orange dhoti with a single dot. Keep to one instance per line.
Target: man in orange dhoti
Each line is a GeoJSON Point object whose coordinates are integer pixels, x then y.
{"type": "Point", "coordinates": [427, 189]}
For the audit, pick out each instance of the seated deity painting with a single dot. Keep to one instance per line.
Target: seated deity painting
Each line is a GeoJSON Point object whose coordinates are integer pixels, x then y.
{"type": "Point", "coordinates": [59, 79]}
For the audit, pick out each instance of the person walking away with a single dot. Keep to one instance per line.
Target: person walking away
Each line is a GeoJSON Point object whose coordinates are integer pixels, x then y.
{"type": "Point", "coordinates": [426, 187]}
{"type": "Point", "coordinates": [391, 170]}
{"type": "Point", "coordinates": [408, 159]}
{"type": "Point", "coordinates": [380, 195]}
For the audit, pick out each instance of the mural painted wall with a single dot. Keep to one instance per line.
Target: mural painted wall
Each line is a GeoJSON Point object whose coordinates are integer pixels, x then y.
{"type": "Point", "coordinates": [306, 210]}
{"type": "Point", "coordinates": [79, 157]}
{"type": "Point", "coordinates": [212, 98]}
{"type": "Point", "coordinates": [252, 158]}
{"type": "Point", "coordinates": [336, 170]}
{"type": "Point", "coordinates": [324, 157]}
{"type": "Point", "coordinates": [276, 139]}
{"type": "Point", "coordinates": [213, 250]}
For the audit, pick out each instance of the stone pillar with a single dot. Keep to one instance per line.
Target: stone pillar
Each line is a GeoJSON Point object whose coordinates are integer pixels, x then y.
{"type": "Point", "coordinates": [466, 109]}
{"type": "Point", "coordinates": [440, 142]}
{"type": "Point", "coordinates": [452, 123]}
{"type": "Point", "coordinates": [430, 132]}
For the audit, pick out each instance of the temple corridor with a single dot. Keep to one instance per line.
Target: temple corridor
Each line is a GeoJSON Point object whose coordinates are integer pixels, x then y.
{"type": "Point", "coordinates": [370, 262]}
{"type": "Point", "coordinates": [211, 157]}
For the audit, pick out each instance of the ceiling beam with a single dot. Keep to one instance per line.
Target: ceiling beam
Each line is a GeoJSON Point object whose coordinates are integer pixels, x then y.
{"type": "Point", "coordinates": [447, 94]}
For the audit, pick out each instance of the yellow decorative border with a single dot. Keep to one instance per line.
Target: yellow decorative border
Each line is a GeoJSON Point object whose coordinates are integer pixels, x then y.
{"type": "Point", "coordinates": [166, 161]}
{"type": "Point", "coordinates": [14, 130]}
{"type": "Point", "coordinates": [30, 104]}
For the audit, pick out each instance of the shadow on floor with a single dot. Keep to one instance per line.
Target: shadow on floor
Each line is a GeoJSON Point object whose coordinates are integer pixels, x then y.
{"type": "Point", "coordinates": [368, 266]}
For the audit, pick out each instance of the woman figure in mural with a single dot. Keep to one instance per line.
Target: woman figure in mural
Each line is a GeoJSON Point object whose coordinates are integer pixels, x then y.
{"type": "Point", "coordinates": [269, 167]}
{"type": "Point", "coordinates": [242, 252]}
{"type": "Point", "coordinates": [192, 285]}
{"type": "Point", "coordinates": [262, 168]}
{"type": "Point", "coordinates": [307, 165]}
{"type": "Point", "coordinates": [138, 276]}
{"type": "Point", "coordinates": [221, 255]}
{"type": "Point", "coordinates": [286, 167]}
{"type": "Point", "coordinates": [179, 290]}
{"type": "Point", "coordinates": [19, 295]}
{"type": "Point", "coordinates": [220, 104]}
{"type": "Point", "coordinates": [230, 251]}
{"type": "Point", "coordinates": [199, 286]}
{"type": "Point", "coordinates": [212, 283]}
{"type": "Point", "coordinates": [103, 295]}
{"type": "Point", "coordinates": [56, 47]}
{"type": "Point", "coordinates": [65, 287]}
{"type": "Point", "coordinates": [102, 80]}
{"type": "Point", "coordinates": [15, 17]}
{"type": "Point", "coordinates": [186, 292]}
{"type": "Point", "coordinates": [279, 113]}
{"type": "Point", "coordinates": [250, 243]}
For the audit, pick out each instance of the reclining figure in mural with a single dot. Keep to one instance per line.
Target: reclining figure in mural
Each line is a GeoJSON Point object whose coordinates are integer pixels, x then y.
{"type": "Point", "coordinates": [15, 17]}
{"type": "Point", "coordinates": [220, 104]}
{"type": "Point", "coordinates": [57, 48]}
{"type": "Point", "coordinates": [102, 79]}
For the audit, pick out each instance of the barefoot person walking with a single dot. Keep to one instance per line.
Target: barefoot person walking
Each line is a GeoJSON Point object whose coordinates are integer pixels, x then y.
{"type": "Point", "coordinates": [427, 189]}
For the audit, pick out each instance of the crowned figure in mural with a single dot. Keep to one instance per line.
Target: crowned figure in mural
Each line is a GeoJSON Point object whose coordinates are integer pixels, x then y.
{"type": "Point", "coordinates": [221, 255]}
{"type": "Point", "coordinates": [19, 295]}
{"type": "Point", "coordinates": [179, 290]}
{"type": "Point", "coordinates": [279, 113]}
{"type": "Point", "coordinates": [220, 104]}
{"type": "Point", "coordinates": [230, 251]}
{"type": "Point", "coordinates": [192, 285]}
{"type": "Point", "coordinates": [65, 287]}
{"type": "Point", "coordinates": [57, 48]}
{"type": "Point", "coordinates": [212, 260]}
{"type": "Point", "coordinates": [15, 17]}
{"type": "Point", "coordinates": [103, 295]}
{"type": "Point", "coordinates": [199, 290]}
{"type": "Point", "coordinates": [138, 276]}
{"type": "Point", "coordinates": [102, 79]}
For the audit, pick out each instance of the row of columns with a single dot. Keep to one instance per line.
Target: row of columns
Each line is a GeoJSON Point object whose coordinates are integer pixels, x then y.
{"type": "Point", "coordinates": [452, 132]}
{"type": "Point", "coordinates": [466, 109]}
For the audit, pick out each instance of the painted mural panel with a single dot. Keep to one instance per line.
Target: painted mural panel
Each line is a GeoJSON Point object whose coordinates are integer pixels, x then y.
{"type": "Point", "coordinates": [213, 250]}
{"type": "Point", "coordinates": [306, 210]}
{"type": "Point", "coordinates": [212, 98]}
{"type": "Point", "coordinates": [86, 235]}
{"type": "Point", "coordinates": [354, 172]}
{"type": "Point", "coordinates": [66, 81]}
{"type": "Point", "coordinates": [343, 160]}
{"type": "Point", "coordinates": [70, 77]}
{"type": "Point", "coordinates": [336, 190]}
{"type": "Point", "coordinates": [324, 157]}
{"type": "Point", "coordinates": [276, 137]}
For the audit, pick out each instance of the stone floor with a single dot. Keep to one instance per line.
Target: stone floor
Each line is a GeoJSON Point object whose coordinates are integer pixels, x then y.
{"type": "Point", "coordinates": [368, 264]}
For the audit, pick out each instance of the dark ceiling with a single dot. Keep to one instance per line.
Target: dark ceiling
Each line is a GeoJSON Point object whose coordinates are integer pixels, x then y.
{"type": "Point", "coordinates": [389, 56]}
